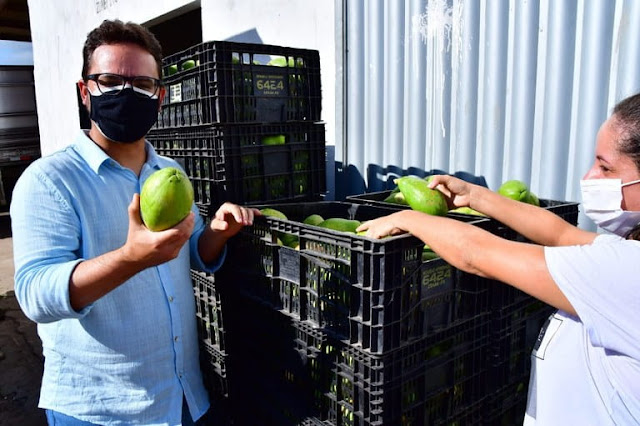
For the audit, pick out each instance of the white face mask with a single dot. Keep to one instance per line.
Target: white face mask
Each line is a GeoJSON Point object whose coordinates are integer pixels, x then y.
{"type": "Point", "coordinates": [602, 200]}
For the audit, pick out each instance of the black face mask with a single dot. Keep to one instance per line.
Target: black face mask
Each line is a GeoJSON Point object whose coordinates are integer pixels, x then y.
{"type": "Point", "coordinates": [125, 117]}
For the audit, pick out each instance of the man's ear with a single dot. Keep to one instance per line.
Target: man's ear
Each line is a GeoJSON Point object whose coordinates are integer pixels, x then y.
{"type": "Point", "coordinates": [84, 92]}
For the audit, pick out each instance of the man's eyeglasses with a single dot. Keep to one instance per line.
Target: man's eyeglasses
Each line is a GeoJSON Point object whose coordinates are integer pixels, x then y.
{"type": "Point", "coordinates": [113, 84]}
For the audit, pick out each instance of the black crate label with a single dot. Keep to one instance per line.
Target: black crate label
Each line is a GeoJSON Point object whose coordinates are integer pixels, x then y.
{"type": "Point", "coordinates": [270, 84]}
{"type": "Point", "coordinates": [437, 278]}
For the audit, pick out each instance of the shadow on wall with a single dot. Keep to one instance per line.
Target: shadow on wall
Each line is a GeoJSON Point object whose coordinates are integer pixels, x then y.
{"type": "Point", "coordinates": [350, 181]}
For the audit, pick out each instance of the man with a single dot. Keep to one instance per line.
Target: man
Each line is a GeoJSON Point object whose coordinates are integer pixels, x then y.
{"type": "Point", "coordinates": [113, 301]}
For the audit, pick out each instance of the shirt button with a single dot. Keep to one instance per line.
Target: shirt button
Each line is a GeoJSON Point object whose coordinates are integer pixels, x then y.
{"type": "Point", "coordinates": [170, 298]}
{"type": "Point", "coordinates": [175, 339]}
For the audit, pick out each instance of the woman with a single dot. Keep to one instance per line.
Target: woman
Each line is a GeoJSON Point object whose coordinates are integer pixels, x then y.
{"type": "Point", "coordinates": [586, 370]}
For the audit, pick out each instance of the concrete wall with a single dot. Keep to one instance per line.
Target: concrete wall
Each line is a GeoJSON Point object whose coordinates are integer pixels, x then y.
{"type": "Point", "coordinates": [59, 28]}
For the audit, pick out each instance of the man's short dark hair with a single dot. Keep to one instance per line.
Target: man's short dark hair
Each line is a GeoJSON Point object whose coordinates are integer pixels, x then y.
{"type": "Point", "coordinates": [116, 31]}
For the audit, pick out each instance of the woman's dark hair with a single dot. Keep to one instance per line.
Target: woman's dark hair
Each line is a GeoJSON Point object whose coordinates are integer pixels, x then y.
{"type": "Point", "coordinates": [627, 118]}
{"type": "Point", "coordinates": [116, 31]}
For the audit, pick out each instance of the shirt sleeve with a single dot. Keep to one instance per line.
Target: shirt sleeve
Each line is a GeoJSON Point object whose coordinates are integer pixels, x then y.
{"type": "Point", "coordinates": [196, 260]}
{"type": "Point", "coordinates": [46, 240]}
{"type": "Point", "coordinates": [601, 282]}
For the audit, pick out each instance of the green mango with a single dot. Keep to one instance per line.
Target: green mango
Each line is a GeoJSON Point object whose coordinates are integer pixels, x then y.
{"type": "Point", "coordinates": [288, 240]}
{"type": "Point", "coordinates": [274, 140]}
{"type": "Point", "coordinates": [165, 199]}
{"type": "Point", "coordinates": [339, 224]}
{"type": "Point", "coordinates": [396, 198]}
{"type": "Point", "coordinates": [268, 211]}
{"type": "Point", "coordinates": [420, 197]}
{"type": "Point", "coordinates": [314, 219]}
{"type": "Point", "coordinates": [466, 210]}
{"type": "Point", "coordinates": [533, 199]}
{"type": "Point", "coordinates": [514, 189]}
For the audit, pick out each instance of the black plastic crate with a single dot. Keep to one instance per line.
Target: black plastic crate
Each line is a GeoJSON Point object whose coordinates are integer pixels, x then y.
{"type": "Point", "coordinates": [292, 372]}
{"type": "Point", "coordinates": [377, 294]}
{"type": "Point", "coordinates": [508, 406]}
{"type": "Point", "coordinates": [209, 319]}
{"type": "Point", "coordinates": [214, 364]}
{"type": "Point", "coordinates": [430, 381]}
{"type": "Point", "coordinates": [229, 162]}
{"type": "Point", "coordinates": [514, 332]}
{"type": "Point", "coordinates": [229, 82]}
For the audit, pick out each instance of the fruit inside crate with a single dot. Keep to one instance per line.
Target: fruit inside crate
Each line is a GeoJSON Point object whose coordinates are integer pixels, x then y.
{"type": "Point", "coordinates": [228, 82]}
{"type": "Point", "coordinates": [249, 163]}
{"type": "Point", "coordinates": [567, 210]}
{"type": "Point", "coordinates": [378, 294]}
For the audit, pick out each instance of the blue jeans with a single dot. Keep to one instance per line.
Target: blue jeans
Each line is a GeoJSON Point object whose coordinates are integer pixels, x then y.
{"type": "Point", "coordinates": [55, 418]}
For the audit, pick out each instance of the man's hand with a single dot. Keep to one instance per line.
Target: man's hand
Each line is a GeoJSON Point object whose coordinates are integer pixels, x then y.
{"type": "Point", "coordinates": [231, 218]}
{"type": "Point", "coordinates": [148, 248]}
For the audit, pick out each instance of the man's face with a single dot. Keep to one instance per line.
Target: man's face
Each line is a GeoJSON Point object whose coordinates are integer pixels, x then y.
{"type": "Point", "coordinates": [125, 59]}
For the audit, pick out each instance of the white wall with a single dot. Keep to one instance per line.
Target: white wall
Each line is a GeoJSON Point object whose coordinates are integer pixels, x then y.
{"type": "Point", "coordinates": [302, 24]}
{"type": "Point", "coordinates": [59, 29]}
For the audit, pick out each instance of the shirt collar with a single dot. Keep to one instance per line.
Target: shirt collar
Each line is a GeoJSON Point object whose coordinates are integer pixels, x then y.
{"type": "Point", "coordinates": [96, 157]}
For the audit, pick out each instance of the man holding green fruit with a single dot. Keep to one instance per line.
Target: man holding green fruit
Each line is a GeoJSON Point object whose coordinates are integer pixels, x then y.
{"type": "Point", "coordinates": [113, 299]}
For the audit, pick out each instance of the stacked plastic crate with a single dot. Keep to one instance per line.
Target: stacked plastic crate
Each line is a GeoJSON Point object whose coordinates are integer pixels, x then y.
{"type": "Point", "coordinates": [348, 330]}
{"type": "Point", "coordinates": [515, 323]}
{"type": "Point", "coordinates": [243, 120]}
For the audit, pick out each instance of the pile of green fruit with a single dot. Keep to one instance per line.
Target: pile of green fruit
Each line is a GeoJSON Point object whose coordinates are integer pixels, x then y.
{"type": "Point", "coordinates": [333, 223]}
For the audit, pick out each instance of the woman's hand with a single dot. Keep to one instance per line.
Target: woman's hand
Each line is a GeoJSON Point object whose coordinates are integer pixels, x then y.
{"type": "Point", "coordinates": [383, 226]}
{"type": "Point", "coordinates": [456, 191]}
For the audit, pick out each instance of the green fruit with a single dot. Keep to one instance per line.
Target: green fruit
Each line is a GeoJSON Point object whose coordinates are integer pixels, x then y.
{"type": "Point", "coordinates": [514, 189]}
{"type": "Point", "coordinates": [396, 198]}
{"type": "Point", "coordinates": [281, 61]}
{"type": "Point", "coordinates": [187, 65]}
{"type": "Point", "coordinates": [314, 219]}
{"type": "Point", "coordinates": [268, 211]}
{"type": "Point", "coordinates": [172, 69]}
{"type": "Point", "coordinates": [466, 210]}
{"type": "Point", "coordinates": [273, 140]}
{"type": "Point", "coordinates": [290, 240]}
{"type": "Point", "coordinates": [166, 199]}
{"type": "Point", "coordinates": [420, 197]}
{"type": "Point", "coordinates": [342, 225]}
{"type": "Point", "coordinates": [533, 199]}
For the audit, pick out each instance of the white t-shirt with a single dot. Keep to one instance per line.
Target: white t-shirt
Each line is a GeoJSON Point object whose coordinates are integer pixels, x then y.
{"type": "Point", "coordinates": [586, 370]}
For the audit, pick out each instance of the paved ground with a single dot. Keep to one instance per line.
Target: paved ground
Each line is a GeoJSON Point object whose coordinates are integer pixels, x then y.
{"type": "Point", "coordinates": [20, 349]}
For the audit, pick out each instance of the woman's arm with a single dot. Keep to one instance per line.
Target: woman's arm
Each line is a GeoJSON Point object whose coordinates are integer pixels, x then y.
{"type": "Point", "coordinates": [474, 250]}
{"type": "Point", "coordinates": [538, 225]}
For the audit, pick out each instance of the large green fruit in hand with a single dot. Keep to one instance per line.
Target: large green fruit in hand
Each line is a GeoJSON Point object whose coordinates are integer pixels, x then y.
{"type": "Point", "coordinates": [420, 197]}
{"type": "Point", "coordinates": [514, 189]}
{"type": "Point", "coordinates": [166, 199]}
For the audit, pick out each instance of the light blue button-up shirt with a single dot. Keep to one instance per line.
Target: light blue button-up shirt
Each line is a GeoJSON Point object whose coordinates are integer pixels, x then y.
{"type": "Point", "coordinates": [129, 357]}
